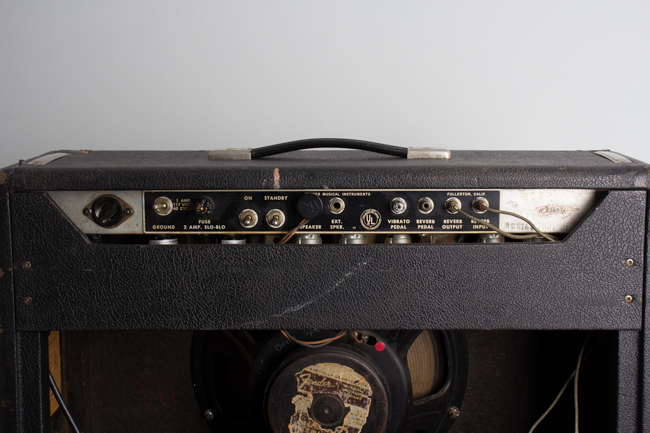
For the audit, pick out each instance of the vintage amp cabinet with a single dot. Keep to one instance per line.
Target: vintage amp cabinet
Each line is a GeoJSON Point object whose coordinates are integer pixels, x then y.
{"type": "Point", "coordinates": [324, 290]}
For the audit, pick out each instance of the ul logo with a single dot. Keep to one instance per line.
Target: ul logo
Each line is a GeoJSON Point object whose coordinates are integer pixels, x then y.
{"type": "Point", "coordinates": [370, 219]}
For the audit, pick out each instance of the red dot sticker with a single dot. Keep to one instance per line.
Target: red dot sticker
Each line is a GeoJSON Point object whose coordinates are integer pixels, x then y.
{"type": "Point", "coordinates": [380, 346]}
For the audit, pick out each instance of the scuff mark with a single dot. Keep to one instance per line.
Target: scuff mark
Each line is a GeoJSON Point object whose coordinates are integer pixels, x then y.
{"type": "Point", "coordinates": [2, 273]}
{"type": "Point", "coordinates": [276, 178]}
{"type": "Point", "coordinates": [86, 151]}
{"type": "Point", "coordinates": [3, 177]}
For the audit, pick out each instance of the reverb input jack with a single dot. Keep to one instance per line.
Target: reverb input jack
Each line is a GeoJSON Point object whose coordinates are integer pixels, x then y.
{"type": "Point", "coordinates": [480, 205]}
{"type": "Point", "coordinates": [453, 207]}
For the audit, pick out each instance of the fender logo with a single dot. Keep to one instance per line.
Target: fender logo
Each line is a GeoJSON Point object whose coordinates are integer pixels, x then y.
{"type": "Point", "coordinates": [306, 380]}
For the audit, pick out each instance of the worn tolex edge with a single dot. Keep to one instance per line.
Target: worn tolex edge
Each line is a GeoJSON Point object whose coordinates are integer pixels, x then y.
{"type": "Point", "coordinates": [45, 159]}
{"type": "Point", "coordinates": [230, 154]}
{"type": "Point", "coordinates": [613, 156]}
{"type": "Point", "coordinates": [427, 153]}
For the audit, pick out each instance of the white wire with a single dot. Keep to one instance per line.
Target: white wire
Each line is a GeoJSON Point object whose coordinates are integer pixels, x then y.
{"type": "Point", "coordinates": [575, 393]}
{"type": "Point", "coordinates": [575, 382]}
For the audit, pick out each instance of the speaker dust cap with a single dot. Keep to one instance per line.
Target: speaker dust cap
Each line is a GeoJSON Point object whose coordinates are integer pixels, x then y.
{"type": "Point", "coordinates": [327, 392]}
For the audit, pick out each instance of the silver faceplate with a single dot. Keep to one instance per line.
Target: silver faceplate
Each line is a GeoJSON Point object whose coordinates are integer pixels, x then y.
{"type": "Point", "coordinates": [72, 203]}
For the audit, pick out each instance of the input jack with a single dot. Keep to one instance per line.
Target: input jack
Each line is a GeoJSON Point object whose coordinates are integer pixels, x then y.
{"type": "Point", "coordinates": [337, 205]}
{"type": "Point", "coordinates": [425, 205]}
{"type": "Point", "coordinates": [453, 205]}
{"type": "Point", "coordinates": [480, 205]}
{"type": "Point", "coordinates": [398, 205]}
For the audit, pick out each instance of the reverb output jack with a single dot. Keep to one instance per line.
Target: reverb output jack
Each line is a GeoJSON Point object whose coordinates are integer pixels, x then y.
{"type": "Point", "coordinates": [453, 205]}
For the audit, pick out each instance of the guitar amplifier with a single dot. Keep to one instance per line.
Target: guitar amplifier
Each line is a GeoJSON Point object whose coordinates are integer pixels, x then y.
{"type": "Point", "coordinates": [280, 289]}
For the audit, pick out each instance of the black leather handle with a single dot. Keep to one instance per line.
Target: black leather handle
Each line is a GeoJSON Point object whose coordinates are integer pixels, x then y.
{"type": "Point", "coordinates": [315, 143]}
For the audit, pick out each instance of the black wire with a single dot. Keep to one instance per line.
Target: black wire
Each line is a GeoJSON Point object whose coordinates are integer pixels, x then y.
{"type": "Point", "coordinates": [341, 143]}
{"type": "Point", "coordinates": [64, 408]}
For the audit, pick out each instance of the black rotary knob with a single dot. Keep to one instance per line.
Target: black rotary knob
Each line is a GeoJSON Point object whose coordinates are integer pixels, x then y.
{"type": "Point", "coordinates": [310, 206]}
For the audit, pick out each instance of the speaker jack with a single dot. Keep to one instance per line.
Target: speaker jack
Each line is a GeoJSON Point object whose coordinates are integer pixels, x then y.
{"type": "Point", "coordinates": [336, 205]}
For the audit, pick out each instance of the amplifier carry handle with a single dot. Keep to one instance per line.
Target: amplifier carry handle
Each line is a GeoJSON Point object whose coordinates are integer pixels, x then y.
{"type": "Point", "coordinates": [315, 143]}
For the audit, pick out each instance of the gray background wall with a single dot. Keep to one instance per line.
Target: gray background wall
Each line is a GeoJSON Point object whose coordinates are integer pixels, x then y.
{"type": "Point", "coordinates": [550, 75]}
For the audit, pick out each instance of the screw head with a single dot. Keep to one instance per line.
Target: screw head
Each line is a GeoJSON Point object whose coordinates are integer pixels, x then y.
{"type": "Point", "coordinates": [453, 412]}
{"type": "Point", "coordinates": [87, 211]}
{"type": "Point", "coordinates": [27, 265]}
{"type": "Point", "coordinates": [629, 263]}
{"type": "Point", "coordinates": [28, 300]}
{"type": "Point", "coordinates": [208, 415]}
{"type": "Point", "coordinates": [129, 211]}
{"type": "Point", "coordinates": [629, 299]}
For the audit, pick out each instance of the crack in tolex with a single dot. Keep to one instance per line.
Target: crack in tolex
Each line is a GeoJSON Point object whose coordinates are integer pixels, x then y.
{"type": "Point", "coordinates": [327, 292]}
{"type": "Point", "coordinates": [320, 296]}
